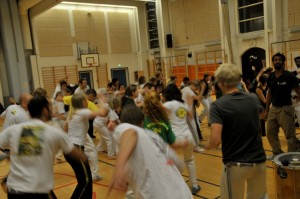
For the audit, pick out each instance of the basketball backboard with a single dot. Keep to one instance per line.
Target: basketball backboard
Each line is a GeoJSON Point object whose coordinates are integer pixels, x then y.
{"type": "Point", "coordinates": [89, 60]}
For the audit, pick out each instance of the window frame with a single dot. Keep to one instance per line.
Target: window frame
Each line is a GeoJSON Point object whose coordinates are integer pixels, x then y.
{"type": "Point", "coordinates": [237, 8]}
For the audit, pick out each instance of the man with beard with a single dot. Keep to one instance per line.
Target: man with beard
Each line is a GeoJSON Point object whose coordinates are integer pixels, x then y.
{"type": "Point", "coordinates": [281, 114]}
{"type": "Point", "coordinates": [33, 145]}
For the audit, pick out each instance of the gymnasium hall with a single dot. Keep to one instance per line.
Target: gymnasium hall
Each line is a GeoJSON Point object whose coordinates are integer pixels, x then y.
{"type": "Point", "coordinates": [150, 99]}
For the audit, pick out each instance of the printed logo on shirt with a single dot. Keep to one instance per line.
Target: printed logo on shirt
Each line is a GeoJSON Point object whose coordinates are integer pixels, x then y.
{"type": "Point", "coordinates": [13, 112]}
{"type": "Point", "coordinates": [282, 83]}
{"type": "Point", "coordinates": [30, 141]}
{"type": "Point", "coordinates": [181, 113]}
{"type": "Point", "coordinates": [156, 127]}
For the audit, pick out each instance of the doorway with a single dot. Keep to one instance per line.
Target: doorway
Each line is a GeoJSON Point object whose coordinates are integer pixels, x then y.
{"type": "Point", "coordinates": [121, 74]}
{"type": "Point", "coordinates": [88, 76]}
{"type": "Point", "coordinates": [252, 62]}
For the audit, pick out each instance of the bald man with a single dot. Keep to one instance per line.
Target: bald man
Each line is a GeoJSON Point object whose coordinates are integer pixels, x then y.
{"type": "Point", "coordinates": [16, 114]}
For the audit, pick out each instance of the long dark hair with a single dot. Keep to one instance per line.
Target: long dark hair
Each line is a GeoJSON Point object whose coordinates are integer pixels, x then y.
{"type": "Point", "coordinates": [128, 93]}
{"type": "Point", "coordinates": [172, 92]}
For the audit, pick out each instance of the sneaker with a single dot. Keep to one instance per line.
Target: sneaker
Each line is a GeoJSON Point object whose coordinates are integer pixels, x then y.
{"type": "Point", "coordinates": [270, 157]}
{"type": "Point", "coordinates": [195, 189]}
{"type": "Point", "coordinates": [198, 149]}
{"type": "Point", "coordinates": [97, 178]}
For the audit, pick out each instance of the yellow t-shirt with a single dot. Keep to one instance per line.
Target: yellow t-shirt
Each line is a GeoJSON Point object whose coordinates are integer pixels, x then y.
{"type": "Point", "coordinates": [91, 106]}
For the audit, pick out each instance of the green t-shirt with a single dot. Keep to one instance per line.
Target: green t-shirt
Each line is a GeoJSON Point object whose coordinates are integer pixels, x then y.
{"type": "Point", "coordinates": [161, 128]}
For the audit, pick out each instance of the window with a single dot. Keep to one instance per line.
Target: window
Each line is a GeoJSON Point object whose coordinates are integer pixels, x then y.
{"type": "Point", "coordinates": [152, 25]}
{"type": "Point", "coordinates": [251, 15]}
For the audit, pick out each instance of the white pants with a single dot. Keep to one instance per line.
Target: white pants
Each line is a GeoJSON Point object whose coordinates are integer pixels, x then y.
{"type": "Point", "coordinates": [106, 136]}
{"type": "Point", "coordinates": [205, 112]}
{"type": "Point", "coordinates": [91, 152]}
{"type": "Point", "coordinates": [188, 156]}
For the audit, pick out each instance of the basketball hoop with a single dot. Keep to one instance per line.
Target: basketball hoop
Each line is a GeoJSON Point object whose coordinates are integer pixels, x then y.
{"type": "Point", "coordinates": [90, 64]}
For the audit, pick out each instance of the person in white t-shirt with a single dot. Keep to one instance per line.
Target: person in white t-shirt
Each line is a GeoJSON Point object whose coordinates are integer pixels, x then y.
{"type": "Point", "coordinates": [89, 147]}
{"type": "Point", "coordinates": [78, 124]}
{"type": "Point", "coordinates": [147, 88]}
{"type": "Point", "coordinates": [179, 112]}
{"type": "Point", "coordinates": [194, 121]}
{"type": "Point", "coordinates": [33, 145]}
{"type": "Point", "coordinates": [58, 110]}
{"type": "Point", "coordinates": [82, 88]}
{"type": "Point", "coordinates": [16, 114]}
{"type": "Point", "coordinates": [61, 87]}
{"type": "Point", "coordinates": [105, 126]}
{"type": "Point", "coordinates": [145, 161]}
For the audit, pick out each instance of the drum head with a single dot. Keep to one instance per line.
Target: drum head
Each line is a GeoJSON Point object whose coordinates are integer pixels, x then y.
{"type": "Point", "coordinates": [288, 160]}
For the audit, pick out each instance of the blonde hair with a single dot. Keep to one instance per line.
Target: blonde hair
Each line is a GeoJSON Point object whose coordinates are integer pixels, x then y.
{"type": "Point", "coordinates": [77, 100]}
{"type": "Point", "coordinates": [76, 103]}
{"type": "Point", "coordinates": [154, 109]}
{"type": "Point", "coordinates": [228, 74]}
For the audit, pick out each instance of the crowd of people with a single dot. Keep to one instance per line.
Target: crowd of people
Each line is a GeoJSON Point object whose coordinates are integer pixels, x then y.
{"type": "Point", "coordinates": [144, 125]}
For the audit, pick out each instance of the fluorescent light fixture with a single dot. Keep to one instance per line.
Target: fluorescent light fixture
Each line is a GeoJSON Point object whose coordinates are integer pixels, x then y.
{"type": "Point", "coordinates": [93, 7]}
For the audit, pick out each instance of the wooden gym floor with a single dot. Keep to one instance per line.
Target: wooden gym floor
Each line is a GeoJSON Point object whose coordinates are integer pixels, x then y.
{"type": "Point", "coordinates": [208, 163]}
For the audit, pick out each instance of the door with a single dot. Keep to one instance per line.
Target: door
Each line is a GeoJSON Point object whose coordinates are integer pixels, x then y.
{"type": "Point", "coordinates": [252, 62]}
{"type": "Point", "coordinates": [121, 74]}
{"type": "Point", "coordinates": [88, 76]}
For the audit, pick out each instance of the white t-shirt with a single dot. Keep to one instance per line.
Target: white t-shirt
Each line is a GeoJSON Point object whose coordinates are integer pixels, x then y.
{"type": "Point", "coordinates": [102, 121]}
{"type": "Point", "coordinates": [139, 99]}
{"type": "Point", "coordinates": [33, 146]}
{"type": "Point", "coordinates": [79, 125]}
{"type": "Point", "coordinates": [82, 91]}
{"type": "Point", "coordinates": [150, 176]}
{"type": "Point", "coordinates": [58, 107]}
{"type": "Point", "coordinates": [187, 91]}
{"type": "Point", "coordinates": [178, 116]}
{"type": "Point", "coordinates": [57, 89]}
{"type": "Point", "coordinates": [14, 114]}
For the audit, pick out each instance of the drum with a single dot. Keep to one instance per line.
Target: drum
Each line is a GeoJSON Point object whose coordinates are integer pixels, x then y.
{"type": "Point", "coordinates": [287, 175]}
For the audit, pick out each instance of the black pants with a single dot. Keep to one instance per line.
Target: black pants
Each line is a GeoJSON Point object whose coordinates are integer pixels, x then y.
{"type": "Point", "coordinates": [84, 188]}
{"type": "Point", "coordinates": [197, 126]}
{"type": "Point", "coordinates": [91, 128]}
{"type": "Point", "coordinates": [263, 127]}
